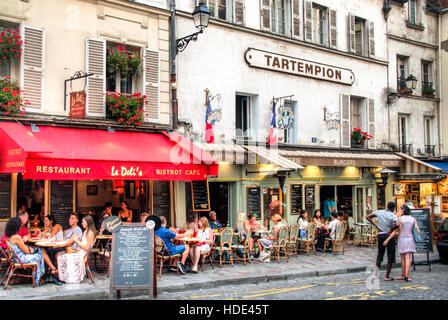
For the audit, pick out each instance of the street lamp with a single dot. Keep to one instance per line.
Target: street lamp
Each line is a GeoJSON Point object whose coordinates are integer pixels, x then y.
{"type": "Point", "coordinates": [410, 83]}
{"type": "Point", "coordinates": [201, 15]}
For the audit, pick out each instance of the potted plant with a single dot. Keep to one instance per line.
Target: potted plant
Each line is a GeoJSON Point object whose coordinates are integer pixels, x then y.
{"type": "Point", "coordinates": [126, 109]}
{"type": "Point", "coordinates": [428, 92]}
{"type": "Point", "coordinates": [11, 101]}
{"type": "Point", "coordinates": [359, 137]}
{"type": "Point", "coordinates": [122, 60]}
{"type": "Point", "coordinates": [10, 45]}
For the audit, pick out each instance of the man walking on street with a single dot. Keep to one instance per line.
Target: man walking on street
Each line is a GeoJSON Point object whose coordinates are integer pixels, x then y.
{"type": "Point", "coordinates": [387, 221]}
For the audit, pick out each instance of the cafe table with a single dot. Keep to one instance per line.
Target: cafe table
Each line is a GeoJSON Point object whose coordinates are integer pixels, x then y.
{"type": "Point", "coordinates": [48, 243]}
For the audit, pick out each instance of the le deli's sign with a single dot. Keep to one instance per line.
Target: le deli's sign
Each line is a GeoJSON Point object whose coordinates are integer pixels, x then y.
{"type": "Point", "coordinates": [300, 67]}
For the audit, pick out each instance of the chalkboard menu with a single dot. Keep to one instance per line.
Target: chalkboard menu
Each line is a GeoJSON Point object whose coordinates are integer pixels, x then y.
{"type": "Point", "coordinates": [5, 196]}
{"type": "Point", "coordinates": [61, 203]}
{"type": "Point", "coordinates": [132, 258]}
{"type": "Point", "coordinates": [200, 195]}
{"type": "Point", "coordinates": [424, 223]}
{"type": "Point", "coordinates": [162, 200]}
{"type": "Point", "coordinates": [296, 198]}
{"type": "Point", "coordinates": [254, 201]}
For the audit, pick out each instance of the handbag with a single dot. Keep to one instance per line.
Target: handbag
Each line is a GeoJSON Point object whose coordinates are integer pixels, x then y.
{"type": "Point", "coordinates": [417, 237]}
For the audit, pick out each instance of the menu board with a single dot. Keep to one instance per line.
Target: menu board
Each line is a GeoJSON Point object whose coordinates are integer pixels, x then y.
{"type": "Point", "coordinates": [162, 200]}
{"type": "Point", "coordinates": [132, 258]}
{"type": "Point", "coordinates": [200, 195]}
{"type": "Point", "coordinates": [296, 198]}
{"type": "Point", "coordinates": [5, 196]}
{"type": "Point", "coordinates": [61, 201]}
{"type": "Point", "coordinates": [424, 223]}
{"type": "Point", "coordinates": [309, 194]}
{"type": "Point", "coordinates": [254, 201]}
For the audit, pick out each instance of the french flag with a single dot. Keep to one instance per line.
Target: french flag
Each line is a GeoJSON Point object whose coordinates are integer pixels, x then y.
{"type": "Point", "coordinates": [273, 132]}
{"type": "Point", "coordinates": [209, 136]}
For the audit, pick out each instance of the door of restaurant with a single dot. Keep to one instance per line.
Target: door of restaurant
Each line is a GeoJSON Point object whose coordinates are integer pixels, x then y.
{"type": "Point", "coordinates": [219, 201]}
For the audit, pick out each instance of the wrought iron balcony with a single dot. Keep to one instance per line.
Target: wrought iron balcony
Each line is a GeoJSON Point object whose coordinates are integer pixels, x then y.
{"type": "Point", "coordinates": [406, 148]}
{"type": "Point", "coordinates": [429, 149]}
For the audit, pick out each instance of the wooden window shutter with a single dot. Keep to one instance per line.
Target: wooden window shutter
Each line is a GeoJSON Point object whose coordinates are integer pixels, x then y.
{"type": "Point", "coordinates": [371, 39]}
{"type": "Point", "coordinates": [351, 33]}
{"type": "Point", "coordinates": [266, 15]}
{"type": "Point", "coordinates": [371, 106]}
{"type": "Point", "coordinates": [96, 84]}
{"type": "Point", "coordinates": [238, 12]}
{"type": "Point", "coordinates": [333, 29]}
{"type": "Point", "coordinates": [32, 67]}
{"type": "Point", "coordinates": [345, 121]}
{"type": "Point", "coordinates": [296, 19]}
{"type": "Point", "coordinates": [151, 84]}
{"type": "Point", "coordinates": [308, 20]}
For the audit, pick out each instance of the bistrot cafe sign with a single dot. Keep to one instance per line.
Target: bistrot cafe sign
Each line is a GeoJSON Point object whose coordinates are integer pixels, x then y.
{"type": "Point", "coordinates": [300, 67]}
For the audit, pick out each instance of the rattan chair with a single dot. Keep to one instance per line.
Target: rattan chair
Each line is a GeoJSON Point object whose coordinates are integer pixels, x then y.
{"type": "Point", "coordinates": [293, 238]}
{"type": "Point", "coordinates": [207, 256]}
{"type": "Point", "coordinates": [338, 240]}
{"type": "Point", "coordinates": [225, 246]}
{"type": "Point", "coordinates": [281, 247]}
{"type": "Point", "coordinates": [16, 264]}
{"type": "Point", "coordinates": [244, 247]}
{"type": "Point", "coordinates": [162, 255]}
{"type": "Point", "coordinates": [353, 231]}
{"type": "Point", "coordinates": [104, 255]}
{"type": "Point", "coordinates": [309, 241]}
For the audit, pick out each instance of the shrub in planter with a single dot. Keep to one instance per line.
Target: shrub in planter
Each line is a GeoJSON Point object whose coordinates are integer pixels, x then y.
{"type": "Point", "coordinates": [11, 101]}
{"type": "Point", "coordinates": [126, 109]}
{"type": "Point", "coordinates": [359, 136]}
{"type": "Point", "coordinates": [10, 45]}
{"type": "Point", "coordinates": [428, 91]}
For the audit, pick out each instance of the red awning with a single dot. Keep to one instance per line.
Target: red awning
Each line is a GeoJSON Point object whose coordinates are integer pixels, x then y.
{"type": "Point", "coordinates": [56, 153]}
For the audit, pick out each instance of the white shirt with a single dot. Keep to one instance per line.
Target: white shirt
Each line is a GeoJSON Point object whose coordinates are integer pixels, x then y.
{"type": "Point", "coordinates": [332, 226]}
{"type": "Point", "coordinates": [303, 224]}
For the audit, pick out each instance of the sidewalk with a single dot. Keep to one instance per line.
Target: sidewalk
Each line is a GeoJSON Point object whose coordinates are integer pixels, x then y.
{"type": "Point", "coordinates": [355, 259]}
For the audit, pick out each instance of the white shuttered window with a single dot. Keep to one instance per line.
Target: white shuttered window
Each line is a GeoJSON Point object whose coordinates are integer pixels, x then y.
{"type": "Point", "coordinates": [151, 87]}
{"type": "Point", "coordinates": [96, 84]}
{"type": "Point", "coordinates": [32, 67]}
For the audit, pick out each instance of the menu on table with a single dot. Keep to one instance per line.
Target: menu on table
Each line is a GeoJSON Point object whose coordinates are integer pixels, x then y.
{"type": "Point", "coordinates": [5, 196]}
{"type": "Point", "coordinates": [61, 201]}
{"type": "Point", "coordinates": [254, 201]}
{"type": "Point", "coordinates": [200, 194]}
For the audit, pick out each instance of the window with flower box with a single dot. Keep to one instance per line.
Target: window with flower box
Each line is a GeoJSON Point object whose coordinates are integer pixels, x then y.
{"type": "Point", "coordinates": [122, 71]}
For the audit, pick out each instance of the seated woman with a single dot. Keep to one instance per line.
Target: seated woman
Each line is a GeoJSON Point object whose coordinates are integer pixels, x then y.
{"type": "Point", "coordinates": [268, 241]}
{"type": "Point", "coordinates": [25, 253]}
{"type": "Point", "coordinates": [52, 228]}
{"type": "Point", "coordinates": [317, 219]}
{"type": "Point", "coordinates": [251, 224]}
{"type": "Point", "coordinates": [71, 266]}
{"type": "Point", "coordinates": [205, 235]}
{"type": "Point", "coordinates": [125, 214]}
{"type": "Point", "coordinates": [303, 224]}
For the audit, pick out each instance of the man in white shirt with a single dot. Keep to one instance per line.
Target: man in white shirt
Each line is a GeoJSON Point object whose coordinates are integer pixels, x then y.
{"type": "Point", "coordinates": [327, 232]}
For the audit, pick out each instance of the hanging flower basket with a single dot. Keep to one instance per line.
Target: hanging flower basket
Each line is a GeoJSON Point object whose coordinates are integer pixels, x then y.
{"type": "Point", "coordinates": [11, 101]}
{"type": "Point", "coordinates": [122, 60]}
{"type": "Point", "coordinates": [359, 137]}
{"type": "Point", "coordinates": [126, 109]}
{"type": "Point", "coordinates": [10, 45]}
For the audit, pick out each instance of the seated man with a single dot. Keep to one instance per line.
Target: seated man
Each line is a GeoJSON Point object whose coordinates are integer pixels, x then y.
{"type": "Point", "coordinates": [214, 223]}
{"type": "Point", "coordinates": [166, 235]}
{"type": "Point", "coordinates": [328, 232]}
{"type": "Point", "coordinates": [68, 236]}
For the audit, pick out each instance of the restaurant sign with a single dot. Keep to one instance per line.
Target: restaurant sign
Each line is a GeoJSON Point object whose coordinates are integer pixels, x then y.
{"type": "Point", "coordinates": [78, 105]}
{"type": "Point", "coordinates": [323, 161]}
{"type": "Point", "coordinates": [300, 67]}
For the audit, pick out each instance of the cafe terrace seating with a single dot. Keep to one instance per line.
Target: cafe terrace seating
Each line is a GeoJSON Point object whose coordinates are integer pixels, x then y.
{"type": "Point", "coordinates": [338, 240]}
{"type": "Point", "coordinates": [309, 241]}
{"type": "Point", "coordinates": [162, 254]}
{"type": "Point", "coordinates": [281, 248]}
{"type": "Point", "coordinates": [14, 266]}
{"type": "Point", "coordinates": [224, 247]}
{"type": "Point", "coordinates": [293, 235]}
{"type": "Point", "coordinates": [243, 246]}
{"type": "Point", "coordinates": [4, 259]}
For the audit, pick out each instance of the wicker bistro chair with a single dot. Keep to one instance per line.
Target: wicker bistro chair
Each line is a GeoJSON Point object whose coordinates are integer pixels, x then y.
{"type": "Point", "coordinates": [16, 264]}
{"type": "Point", "coordinates": [293, 238]}
{"type": "Point", "coordinates": [372, 237]}
{"type": "Point", "coordinates": [338, 240]}
{"type": "Point", "coordinates": [225, 246]}
{"type": "Point", "coordinates": [103, 256]}
{"type": "Point", "coordinates": [87, 258]}
{"type": "Point", "coordinates": [162, 254]}
{"type": "Point", "coordinates": [282, 244]}
{"type": "Point", "coordinates": [4, 259]}
{"type": "Point", "coordinates": [309, 241]}
{"type": "Point", "coordinates": [243, 246]}
{"type": "Point", "coordinates": [207, 256]}
{"type": "Point", "coordinates": [353, 231]}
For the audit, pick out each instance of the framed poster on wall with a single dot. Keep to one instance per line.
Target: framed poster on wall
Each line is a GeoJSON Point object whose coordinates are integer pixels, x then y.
{"type": "Point", "coordinates": [399, 189]}
{"type": "Point", "coordinates": [309, 194]}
